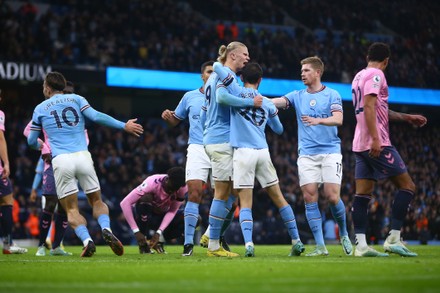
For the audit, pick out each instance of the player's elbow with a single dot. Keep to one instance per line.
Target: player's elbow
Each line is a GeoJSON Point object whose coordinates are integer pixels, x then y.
{"type": "Point", "coordinates": [32, 142]}
{"type": "Point", "coordinates": [222, 98]}
{"type": "Point", "coordinates": [278, 129]}
{"type": "Point", "coordinates": [216, 66]}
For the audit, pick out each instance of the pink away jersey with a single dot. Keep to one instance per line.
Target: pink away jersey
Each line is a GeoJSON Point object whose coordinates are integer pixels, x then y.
{"type": "Point", "coordinates": [370, 81]}
{"type": "Point", "coordinates": [162, 202]}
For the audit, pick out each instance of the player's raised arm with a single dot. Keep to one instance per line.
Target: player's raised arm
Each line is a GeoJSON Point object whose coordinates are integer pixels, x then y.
{"type": "Point", "coordinates": [98, 117]}
{"type": "Point", "coordinates": [227, 79]}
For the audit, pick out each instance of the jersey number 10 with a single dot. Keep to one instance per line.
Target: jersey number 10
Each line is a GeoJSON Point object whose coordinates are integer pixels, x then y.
{"type": "Point", "coordinates": [65, 117]}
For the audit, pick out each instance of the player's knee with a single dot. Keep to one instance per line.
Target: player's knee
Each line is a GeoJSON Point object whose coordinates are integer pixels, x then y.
{"type": "Point", "coordinates": [51, 203]}
{"type": "Point", "coordinates": [308, 197]}
{"type": "Point", "coordinates": [333, 199]}
{"type": "Point", "coordinates": [410, 186]}
{"type": "Point", "coordinates": [407, 185]}
{"type": "Point", "coordinates": [195, 195]}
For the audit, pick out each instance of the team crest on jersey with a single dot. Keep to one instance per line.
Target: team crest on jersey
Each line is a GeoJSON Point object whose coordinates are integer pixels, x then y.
{"type": "Point", "coordinates": [142, 186]}
{"type": "Point", "coordinates": [312, 103]}
{"type": "Point", "coordinates": [376, 78]}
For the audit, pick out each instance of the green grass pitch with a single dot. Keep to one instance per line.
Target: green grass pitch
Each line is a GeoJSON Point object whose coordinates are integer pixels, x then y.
{"type": "Point", "coordinates": [270, 271]}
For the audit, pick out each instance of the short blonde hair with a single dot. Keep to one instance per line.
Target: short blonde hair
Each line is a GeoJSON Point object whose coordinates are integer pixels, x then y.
{"type": "Point", "coordinates": [315, 62]}
{"type": "Point", "coordinates": [223, 51]}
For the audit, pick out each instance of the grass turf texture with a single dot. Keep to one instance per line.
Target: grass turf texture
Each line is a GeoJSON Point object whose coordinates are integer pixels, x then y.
{"type": "Point", "coordinates": [270, 271]}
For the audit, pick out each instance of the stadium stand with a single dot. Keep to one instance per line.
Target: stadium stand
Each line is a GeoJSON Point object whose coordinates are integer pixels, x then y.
{"type": "Point", "coordinates": [170, 36]}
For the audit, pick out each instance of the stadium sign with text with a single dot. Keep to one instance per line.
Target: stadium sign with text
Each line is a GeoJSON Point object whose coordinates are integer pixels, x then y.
{"type": "Point", "coordinates": [23, 71]}
{"type": "Point", "coordinates": [185, 81]}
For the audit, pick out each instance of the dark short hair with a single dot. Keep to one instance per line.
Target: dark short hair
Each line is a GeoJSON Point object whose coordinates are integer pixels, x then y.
{"type": "Point", "coordinates": [176, 177]}
{"type": "Point", "coordinates": [56, 81]}
{"type": "Point", "coordinates": [205, 64]}
{"type": "Point", "coordinates": [70, 88]}
{"type": "Point", "coordinates": [378, 52]}
{"type": "Point", "coordinates": [252, 72]}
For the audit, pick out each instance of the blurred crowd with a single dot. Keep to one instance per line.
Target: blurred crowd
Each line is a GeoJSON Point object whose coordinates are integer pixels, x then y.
{"type": "Point", "coordinates": [170, 35]}
{"type": "Point", "coordinates": [122, 162]}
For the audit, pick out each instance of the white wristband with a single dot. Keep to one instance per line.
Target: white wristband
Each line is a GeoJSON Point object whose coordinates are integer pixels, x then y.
{"type": "Point", "coordinates": [135, 230]}
{"type": "Point", "coordinates": [159, 232]}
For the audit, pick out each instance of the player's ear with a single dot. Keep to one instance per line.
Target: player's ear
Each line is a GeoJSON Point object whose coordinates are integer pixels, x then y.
{"type": "Point", "coordinates": [386, 61]}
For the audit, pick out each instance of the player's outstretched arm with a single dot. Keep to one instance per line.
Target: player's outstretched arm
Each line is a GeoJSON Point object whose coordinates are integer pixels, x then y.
{"type": "Point", "coordinates": [280, 103]}
{"type": "Point", "coordinates": [225, 98]}
{"type": "Point", "coordinates": [101, 118]}
{"type": "Point", "coordinates": [416, 120]}
{"type": "Point", "coordinates": [133, 128]}
{"type": "Point", "coordinates": [413, 119]}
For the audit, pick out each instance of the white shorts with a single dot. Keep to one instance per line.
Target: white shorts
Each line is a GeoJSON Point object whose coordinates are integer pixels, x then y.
{"type": "Point", "coordinates": [68, 168]}
{"type": "Point", "coordinates": [198, 165]}
{"type": "Point", "coordinates": [325, 168]}
{"type": "Point", "coordinates": [250, 164]}
{"type": "Point", "coordinates": [220, 156]}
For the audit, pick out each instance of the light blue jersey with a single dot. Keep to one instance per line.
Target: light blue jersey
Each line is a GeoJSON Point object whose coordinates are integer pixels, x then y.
{"type": "Point", "coordinates": [63, 117]}
{"type": "Point", "coordinates": [189, 107]}
{"type": "Point", "coordinates": [319, 139]}
{"type": "Point", "coordinates": [216, 125]}
{"type": "Point", "coordinates": [248, 124]}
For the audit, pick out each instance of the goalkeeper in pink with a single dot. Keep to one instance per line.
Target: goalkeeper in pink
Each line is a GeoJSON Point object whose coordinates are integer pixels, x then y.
{"type": "Point", "coordinates": [157, 203]}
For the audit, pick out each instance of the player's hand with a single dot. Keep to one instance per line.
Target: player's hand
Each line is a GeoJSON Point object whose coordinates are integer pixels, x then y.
{"type": "Point", "coordinates": [375, 148]}
{"type": "Point", "coordinates": [142, 243]}
{"type": "Point", "coordinates": [45, 149]}
{"type": "Point", "coordinates": [134, 128]}
{"type": "Point", "coordinates": [47, 158]}
{"type": "Point", "coordinates": [140, 237]}
{"type": "Point", "coordinates": [6, 172]}
{"type": "Point", "coordinates": [33, 195]}
{"type": "Point", "coordinates": [258, 101]}
{"type": "Point", "coordinates": [416, 120]}
{"type": "Point", "coordinates": [155, 240]}
{"type": "Point", "coordinates": [309, 121]}
{"type": "Point", "coordinates": [167, 115]}
{"type": "Point", "coordinates": [155, 244]}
